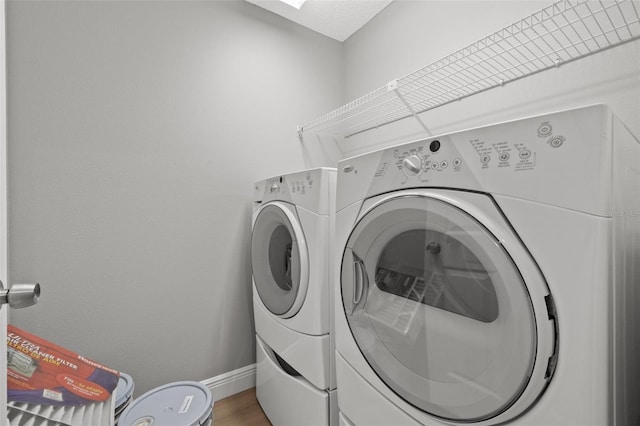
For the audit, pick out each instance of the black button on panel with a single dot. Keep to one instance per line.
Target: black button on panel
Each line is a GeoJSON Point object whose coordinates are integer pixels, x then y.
{"type": "Point", "coordinates": [434, 146]}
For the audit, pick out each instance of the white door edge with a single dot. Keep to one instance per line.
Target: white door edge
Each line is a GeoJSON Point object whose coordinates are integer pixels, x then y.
{"type": "Point", "coordinates": [3, 208]}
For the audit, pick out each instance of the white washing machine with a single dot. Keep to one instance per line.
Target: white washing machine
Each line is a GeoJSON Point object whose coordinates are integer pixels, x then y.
{"type": "Point", "coordinates": [492, 276]}
{"type": "Point", "coordinates": [293, 219]}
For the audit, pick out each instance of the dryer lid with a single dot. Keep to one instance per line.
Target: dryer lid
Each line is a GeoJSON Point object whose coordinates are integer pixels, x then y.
{"type": "Point", "coordinates": [279, 259]}
{"type": "Point", "coordinates": [439, 308]}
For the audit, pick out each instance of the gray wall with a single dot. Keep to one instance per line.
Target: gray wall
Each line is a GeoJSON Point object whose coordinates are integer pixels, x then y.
{"type": "Point", "coordinates": [136, 130]}
{"type": "Point", "coordinates": [408, 35]}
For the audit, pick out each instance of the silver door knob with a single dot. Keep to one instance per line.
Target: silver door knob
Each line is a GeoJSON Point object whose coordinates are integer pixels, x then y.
{"type": "Point", "coordinates": [20, 295]}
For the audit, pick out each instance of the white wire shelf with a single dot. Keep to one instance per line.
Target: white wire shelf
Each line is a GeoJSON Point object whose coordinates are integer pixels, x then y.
{"type": "Point", "coordinates": [559, 33]}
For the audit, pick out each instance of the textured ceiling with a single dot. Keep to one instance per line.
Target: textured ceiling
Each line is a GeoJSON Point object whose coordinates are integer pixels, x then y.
{"type": "Point", "coordinates": [337, 19]}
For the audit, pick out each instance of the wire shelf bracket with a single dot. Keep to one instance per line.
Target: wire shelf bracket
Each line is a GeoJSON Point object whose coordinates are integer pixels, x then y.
{"type": "Point", "coordinates": [564, 31]}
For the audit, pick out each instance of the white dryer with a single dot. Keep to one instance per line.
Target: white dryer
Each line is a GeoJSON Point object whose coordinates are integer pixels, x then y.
{"type": "Point", "coordinates": [492, 276]}
{"type": "Point", "coordinates": [290, 257]}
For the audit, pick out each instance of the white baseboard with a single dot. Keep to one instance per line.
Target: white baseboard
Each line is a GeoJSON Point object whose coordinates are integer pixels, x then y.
{"type": "Point", "coordinates": [231, 383]}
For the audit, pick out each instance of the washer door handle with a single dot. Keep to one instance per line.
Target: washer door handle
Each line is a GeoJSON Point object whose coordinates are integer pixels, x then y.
{"type": "Point", "coordinates": [19, 295]}
{"type": "Point", "coordinates": [361, 280]}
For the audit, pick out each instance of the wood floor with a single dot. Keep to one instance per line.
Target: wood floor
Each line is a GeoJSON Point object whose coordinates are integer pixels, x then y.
{"type": "Point", "coordinates": [241, 409]}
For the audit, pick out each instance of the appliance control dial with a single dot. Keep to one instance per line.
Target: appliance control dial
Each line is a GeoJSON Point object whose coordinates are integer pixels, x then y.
{"type": "Point", "coordinates": [413, 164]}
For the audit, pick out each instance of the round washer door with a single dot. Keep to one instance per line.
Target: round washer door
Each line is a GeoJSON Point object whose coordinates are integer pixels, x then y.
{"type": "Point", "coordinates": [279, 259]}
{"type": "Point", "coordinates": [439, 309]}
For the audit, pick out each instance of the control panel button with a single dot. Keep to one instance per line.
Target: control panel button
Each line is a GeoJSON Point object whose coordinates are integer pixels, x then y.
{"type": "Point", "coordinates": [457, 162]}
{"type": "Point", "coordinates": [504, 156]}
{"type": "Point", "coordinates": [412, 164]}
{"type": "Point", "coordinates": [444, 164]}
{"type": "Point", "coordinates": [434, 165]}
{"type": "Point", "coordinates": [544, 129]}
{"type": "Point", "coordinates": [484, 159]}
{"type": "Point", "coordinates": [556, 141]}
{"type": "Point", "coordinates": [525, 154]}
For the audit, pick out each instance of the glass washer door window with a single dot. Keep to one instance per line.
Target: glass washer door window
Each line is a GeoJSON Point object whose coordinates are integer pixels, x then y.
{"type": "Point", "coordinates": [279, 260]}
{"type": "Point", "coordinates": [438, 308]}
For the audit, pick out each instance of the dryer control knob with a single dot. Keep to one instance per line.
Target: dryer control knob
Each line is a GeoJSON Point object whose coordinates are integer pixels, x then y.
{"type": "Point", "coordinates": [412, 164]}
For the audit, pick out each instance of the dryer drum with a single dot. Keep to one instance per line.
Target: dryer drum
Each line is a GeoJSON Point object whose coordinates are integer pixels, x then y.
{"type": "Point", "coordinates": [280, 245]}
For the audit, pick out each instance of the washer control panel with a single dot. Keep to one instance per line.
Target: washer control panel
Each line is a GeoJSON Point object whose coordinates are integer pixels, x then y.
{"type": "Point", "coordinates": [477, 151]}
{"type": "Point", "coordinates": [549, 158]}
{"type": "Point", "coordinates": [482, 154]}
{"type": "Point", "coordinates": [285, 186]}
{"type": "Point", "coordinates": [307, 188]}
